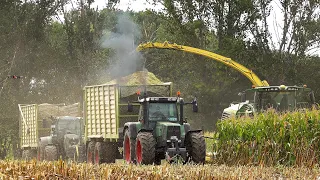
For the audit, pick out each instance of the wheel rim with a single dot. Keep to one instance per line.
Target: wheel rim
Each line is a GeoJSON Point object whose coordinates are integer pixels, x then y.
{"type": "Point", "coordinates": [97, 157]}
{"type": "Point", "coordinates": [139, 152]}
{"type": "Point", "coordinates": [127, 150]}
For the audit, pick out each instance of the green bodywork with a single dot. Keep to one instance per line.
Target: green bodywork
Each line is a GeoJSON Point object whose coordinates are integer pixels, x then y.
{"type": "Point", "coordinates": [162, 127]}
{"type": "Point", "coordinates": [281, 98]}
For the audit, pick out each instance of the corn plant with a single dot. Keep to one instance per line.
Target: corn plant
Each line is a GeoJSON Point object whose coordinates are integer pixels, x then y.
{"type": "Point", "coordinates": [270, 139]}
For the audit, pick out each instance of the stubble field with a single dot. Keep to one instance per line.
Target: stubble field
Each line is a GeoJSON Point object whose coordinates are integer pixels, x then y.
{"type": "Point", "coordinates": [62, 170]}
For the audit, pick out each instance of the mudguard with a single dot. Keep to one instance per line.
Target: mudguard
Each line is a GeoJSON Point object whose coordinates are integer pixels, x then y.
{"type": "Point", "coordinates": [44, 141]}
{"type": "Point", "coordinates": [134, 128]}
{"type": "Point", "coordinates": [192, 131]}
{"type": "Point", "coordinates": [186, 127]}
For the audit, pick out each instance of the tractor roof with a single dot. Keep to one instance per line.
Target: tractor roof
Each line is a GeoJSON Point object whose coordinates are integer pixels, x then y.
{"type": "Point", "coordinates": [160, 99]}
{"type": "Point", "coordinates": [279, 88]}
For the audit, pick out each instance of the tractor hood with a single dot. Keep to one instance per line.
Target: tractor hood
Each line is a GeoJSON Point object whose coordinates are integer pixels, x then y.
{"type": "Point", "coordinates": [71, 139]}
{"type": "Point", "coordinates": [167, 129]}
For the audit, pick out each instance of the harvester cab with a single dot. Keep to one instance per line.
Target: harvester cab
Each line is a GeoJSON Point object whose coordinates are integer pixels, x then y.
{"type": "Point", "coordinates": [280, 98]}
{"type": "Point", "coordinates": [162, 133]}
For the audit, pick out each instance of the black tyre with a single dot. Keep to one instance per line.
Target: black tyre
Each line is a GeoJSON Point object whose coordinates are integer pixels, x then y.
{"type": "Point", "coordinates": [111, 150]}
{"type": "Point", "coordinates": [145, 148]}
{"type": "Point", "coordinates": [39, 154]}
{"type": "Point", "coordinates": [128, 148]}
{"type": "Point", "coordinates": [24, 155]}
{"type": "Point", "coordinates": [28, 154]}
{"type": "Point", "coordinates": [90, 152]}
{"type": "Point", "coordinates": [196, 147]}
{"type": "Point", "coordinates": [82, 153]}
{"type": "Point", "coordinates": [98, 153]}
{"type": "Point", "coordinates": [50, 153]}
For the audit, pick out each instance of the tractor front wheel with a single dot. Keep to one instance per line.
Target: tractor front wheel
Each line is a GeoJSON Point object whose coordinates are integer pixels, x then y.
{"type": "Point", "coordinates": [50, 153]}
{"type": "Point", "coordinates": [196, 147]}
{"type": "Point", "coordinates": [145, 148]}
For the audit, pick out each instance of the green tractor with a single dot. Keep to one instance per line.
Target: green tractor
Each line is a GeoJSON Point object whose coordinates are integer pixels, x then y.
{"type": "Point", "coordinates": [65, 140]}
{"type": "Point", "coordinates": [162, 133]}
{"type": "Point", "coordinates": [280, 98]}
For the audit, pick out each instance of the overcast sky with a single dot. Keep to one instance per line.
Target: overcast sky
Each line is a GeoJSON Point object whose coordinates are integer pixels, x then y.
{"type": "Point", "coordinates": [274, 20]}
{"type": "Point", "coordinates": [135, 5]}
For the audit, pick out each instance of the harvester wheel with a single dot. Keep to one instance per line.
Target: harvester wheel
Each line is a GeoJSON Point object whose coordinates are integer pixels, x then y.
{"type": "Point", "coordinates": [98, 153]}
{"type": "Point", "coordinates": [110, 153]}
{"type": "Point", "coordinates": [145, 148]}
{"type": "Point", "coordinates": [129, 144]}
{"type": "Point", "coordinates": [90, 152]}
{"type": "Point", "coordinates": [50, 153]}
{"type": "Point", "coordinates": [196, 147]}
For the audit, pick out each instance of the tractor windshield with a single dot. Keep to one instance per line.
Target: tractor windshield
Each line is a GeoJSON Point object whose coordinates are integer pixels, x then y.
{"type": "Point", "coordinates": [163, 112]}
{"type": "Point", "coordinates": [282, 100]}
{"type": "Point", "coordinates": [69, 126]}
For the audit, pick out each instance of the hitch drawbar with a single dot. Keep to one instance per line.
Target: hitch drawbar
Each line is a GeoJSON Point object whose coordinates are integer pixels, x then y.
{"type": "Point", "coordinates": [175, 151]}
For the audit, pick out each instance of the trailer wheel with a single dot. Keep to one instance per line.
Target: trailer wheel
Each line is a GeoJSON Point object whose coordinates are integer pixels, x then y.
{"type": "Point", "coordinates": [128, 147]}
{"type": "Point", "coordinates": [98, 153]}
{"type": "Point", "coordinates": [196, 147]}
{"type": "Point", "coordinates": [50, 153]}
{"type": "Point", "coordinates": [145, 148]}
{"type": "Point", "coordinates": [28, 154]}
{"type": "Point", "coordinates": [90, 151]}
{"type": "Point", "coordinates": [111, 150]}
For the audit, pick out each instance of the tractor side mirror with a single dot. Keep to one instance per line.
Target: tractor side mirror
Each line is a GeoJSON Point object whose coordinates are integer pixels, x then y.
{"type": "Point", "coordinates": [195, 105]}
{"type": "Point", "coordinates": [242, 96]}
{"type": "Point", "coordinates": [130, 107]}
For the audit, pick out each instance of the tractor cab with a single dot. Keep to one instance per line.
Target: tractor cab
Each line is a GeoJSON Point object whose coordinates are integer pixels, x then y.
{"type": "Point", "coordinates": [66, 125]}
{"type": "Point", "coordinates": [170, 109]}
{"type": "Point", "coordinates": [154, 110]}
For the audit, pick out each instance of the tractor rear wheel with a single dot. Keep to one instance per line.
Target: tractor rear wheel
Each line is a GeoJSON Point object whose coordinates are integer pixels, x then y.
{"type": "Point", "coordinates": [98, 153]}
{"type": "Point", "coordinates": [145, 148]}
{"type": "Point", "coordinates": [26, 155]}
{"type": "Point", "coordinates": [29, 154]}
{"type": "Point", "coordinates": [50, 153]}
{"type": "Point", "coordinates": [196, 147]}
{"type": "Point", "coordinates": [128, 147]}
{"type": "Point", "coordinates": [90, 151]}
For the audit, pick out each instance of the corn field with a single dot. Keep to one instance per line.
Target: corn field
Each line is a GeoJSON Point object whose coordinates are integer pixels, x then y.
{"type": "Point", "coordinates": [62, 170]}
{"type": "Point", "coordinates": [269, 139]}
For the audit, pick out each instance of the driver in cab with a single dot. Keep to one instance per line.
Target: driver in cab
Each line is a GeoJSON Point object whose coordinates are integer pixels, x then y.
{"type": "Point", "coordinates": [156, 113]}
